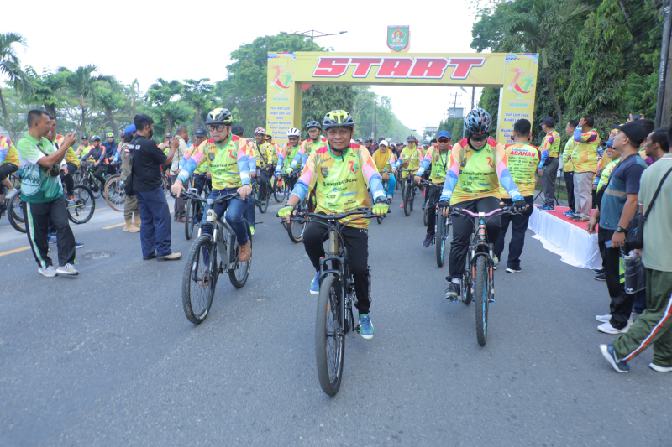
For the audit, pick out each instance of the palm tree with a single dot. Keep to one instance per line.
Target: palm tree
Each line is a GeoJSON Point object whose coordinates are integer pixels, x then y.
{"type": "Point", "coordinates": [82, 83]}
{"type": "Point", "coordinates": [9, 65]}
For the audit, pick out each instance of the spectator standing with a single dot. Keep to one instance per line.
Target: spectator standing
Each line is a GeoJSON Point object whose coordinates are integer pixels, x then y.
{"type": "Point", "coordinates": [148, 186]}
{"type": "Point", "coordinates": [617, 208]}
{"type": "Point", "coordinates": [549, 163]}
{"type": "Point", "coordinates": [654, 326]}
{"type": "Point", "coordinates": [183, 138]}
{"type": "Point", "coordinates": [568, 167]}
{"type": "Point", "coordinates": [131, 209]}
{"type": "Point", "coordinates": [656, 146]}
{"type": "Point", "coordinates": [584, 156]}
{"type": "Point", "coordinates": [42, 192]}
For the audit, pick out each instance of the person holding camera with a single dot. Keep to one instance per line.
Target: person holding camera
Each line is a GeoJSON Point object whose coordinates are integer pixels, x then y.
{"type": "Point", "coordinates": [42, 192]}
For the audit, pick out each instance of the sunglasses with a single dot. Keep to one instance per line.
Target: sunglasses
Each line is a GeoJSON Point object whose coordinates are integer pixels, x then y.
{"type": "Point", "coordinates": [216, 127]}
{"type": "Point", "coordinates": [444, 140]}
{"type": "Point", "coordinates": [479, 138]}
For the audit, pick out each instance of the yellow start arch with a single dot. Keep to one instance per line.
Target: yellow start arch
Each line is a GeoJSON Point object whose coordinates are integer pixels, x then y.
{"type": "Point", "coordinates": [289, 74]}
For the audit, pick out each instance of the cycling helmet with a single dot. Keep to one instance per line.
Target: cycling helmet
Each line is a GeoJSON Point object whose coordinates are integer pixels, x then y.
{"type": "Point", "coordinates": [477, 122]}
{"type": "Point", "coordinates": [312, 123]}
{"type": "Point", "coordinates": [293, 132]}
{"type": "Point", "coordinates": [260, 131]}
{"type": "Point", "coordinates": [411, 139]}
{"type": "Point", "coordinates": [95, 138]}
{"type": "Point", "coordinates": [338, 118]}
{"type": "Point", "coordinates": [219, 115]}
{"type": "Point", "coordinates": [383, 143]}
{"type": "Point", "coordinates": [109, 135]}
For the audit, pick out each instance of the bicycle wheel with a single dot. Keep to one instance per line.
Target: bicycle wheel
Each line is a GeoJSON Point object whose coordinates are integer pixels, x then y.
{"type": "Point", "coordinates": [440, 239]}
{"type": "Point", "coordinates": [81, 208]}
{"type": "Point", "coordinates": [329, 335]}
{"type": "Point", "coordinates": [403, 190]}
{"type": "Point", "coordinates": [94, 187]}
{"type": "Point", "coordinates": [481, 295]}
{"type": "Point", "coordinates": [15, 214]}
{"type": "Point", "coordinates": [114, 193]}
{"type": "Point", "coordinates": [408, 202]}
{"type": "Point", "coordinates": [188, 219]}
{"type": "Point", "coordinates": [199, 279]}
{"type": "Point", "coordinates": [265, 198]}
{"type": "Point", "coordinates": [295, 229]}
{"type": "Point", "coordinates": [241, 270]}
{"type": "Point", "coordinates": [425, 215]}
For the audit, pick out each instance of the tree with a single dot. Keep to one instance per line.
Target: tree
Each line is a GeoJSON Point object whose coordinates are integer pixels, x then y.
{"type": "Point", "coordinates": [81, 83]}
{"type": "Point", "coordinates": [47, 89]}
{"type": "Point", "coordinates": [10, 66]}
{"type": "Point", "coordinates": [198, 94]}
{"type": "Point", "coordinates": [165, 98]}
{"type": "Point", "coordinates": [109, 95]}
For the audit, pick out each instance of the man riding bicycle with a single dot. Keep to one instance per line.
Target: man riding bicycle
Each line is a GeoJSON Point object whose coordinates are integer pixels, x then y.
{"type": "Point", "coordinates": [342, 174]}
{"type": "Point", "coordinates": [476, 169]}
{"type": "Point", "coordinates": [436, 160]}
{"type": "Point", "coordinates": [410, 157]}
{"type": "Point", "coordinates": [227, 161]}
{"type": "Point", "coordinates": [289, 159]}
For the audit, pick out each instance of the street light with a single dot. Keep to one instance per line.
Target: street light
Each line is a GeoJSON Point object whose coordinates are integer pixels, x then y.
{"type": "Point", "coordinates": [313, 34]}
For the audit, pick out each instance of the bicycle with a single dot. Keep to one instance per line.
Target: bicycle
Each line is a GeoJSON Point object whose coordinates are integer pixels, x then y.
{"type": "Point", "coordinates": [478, 280]}
{"type": "Point", "coordinates": [81, 205]}
{"type": "Point", "coordinates": [335, 317]}
{"type": "Point", "coordinates": [203, 267]}
{"type": "Point", "coordinates": [113, 192]}
{"type": "Point", "coordinates": [441, 227]}
{"type": "Point", "coordinates": [14, 207]}
{"type": "Point", "coordinates": [409, 196]}
{"type": "Point", "coordinates": [89, 180]}
{"type": "Point", "coordinates": [261, 193]}
{"type": "Point", "coordinates": [295, 228]}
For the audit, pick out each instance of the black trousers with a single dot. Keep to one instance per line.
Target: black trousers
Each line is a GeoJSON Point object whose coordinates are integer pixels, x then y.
{"type": "Point", "coordinates": [200, 180]}
{"type": "Point", "coordinates": [463, 227]}
{"type": "Point", "coordinates": [67, 179]}
{"type": "Point", "coordinates": [5, 170]}
{"type": "Point", "coordinates": [621, 303]}
{"type": "Point", "coordinates": [433, 194]}
{"type": "Point", "coordinates": [39, 216]}
{"type": "Point", "coordinates": [518, 228]}
{"type": "Point", "coordinates": [357, 250]}
{"type": "Point", "coordinates": [569, 184]}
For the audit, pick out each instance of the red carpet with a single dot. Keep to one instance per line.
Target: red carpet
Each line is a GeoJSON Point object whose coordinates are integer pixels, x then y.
{"type": "Point", "coordinates": [558, 212]}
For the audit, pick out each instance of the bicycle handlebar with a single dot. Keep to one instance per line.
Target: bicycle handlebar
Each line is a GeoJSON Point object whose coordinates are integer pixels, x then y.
{"type": "Point", "coordinates": [219, 199]}
{"type": "Point", "coordinates": [362, 212]}
{"type": "Point", "coordinates": [465, 212]}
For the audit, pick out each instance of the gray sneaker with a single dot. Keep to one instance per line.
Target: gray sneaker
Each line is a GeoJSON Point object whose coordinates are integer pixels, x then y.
{"type": "Point", "coordinates": [174, 256]}
{"type": "Point", "coordinates": [49, 272]}
{"type": "Point", "coordinates": [67, 270]}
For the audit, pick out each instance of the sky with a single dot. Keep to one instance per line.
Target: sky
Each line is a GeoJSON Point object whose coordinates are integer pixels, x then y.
{"type": "Point", "coordinates": [193, 40]}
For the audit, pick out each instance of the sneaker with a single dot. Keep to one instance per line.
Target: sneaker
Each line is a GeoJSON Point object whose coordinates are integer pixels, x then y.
{"type": "Point", "coordinates": [601, 277]}
{"type": "Point", "coordinates": [598, 271]}
{"type": "Point", "coordinates": [606, 318]}
{"type": "Point", "coordinates": [513, 270]}
{"type": "Point", "coordinates": [548, 207]}
{"type": "Point", "coordinates": [453, 291]}
{"type": "Point", "coordinates": [365, 326]}
{"type": "Point", "coordinates": [428, 240]}
{"type": "Point", "coordinates": [569, 213]}
{"type": "Point", "coordinates": [609, 354]}
{"type": "Point", "coordinates": [607, 328]}
{"type": "Point", "coordinates": [79, 244]}
{"type": "Point", "coordinates": [67, 270]}
{"type": "Point", "coordinates": [132, 228]}
{"type": "Point", "coordinates": [660, 369]}
{"type": "Point", "coordinates": [49, 272]}
{"type": "Point", "coordinates": [315, 284]}
{"type": "Point", "coordinates": [174, 256]}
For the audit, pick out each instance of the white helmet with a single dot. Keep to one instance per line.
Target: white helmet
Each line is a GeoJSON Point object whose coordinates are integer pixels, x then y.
{"type": "Point", "coordinates": [293, 132]}
{"type": "Point", "coordinates": [384, 143]}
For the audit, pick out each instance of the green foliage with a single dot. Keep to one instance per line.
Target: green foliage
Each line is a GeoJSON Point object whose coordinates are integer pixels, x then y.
{"type": "Point", "coordinates": [597, 56]}
{"type": "Point", "coordinates": [455, 126]}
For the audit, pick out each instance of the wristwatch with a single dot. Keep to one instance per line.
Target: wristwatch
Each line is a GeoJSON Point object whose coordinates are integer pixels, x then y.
{"type": "Point", "coordinates": [620, 229]}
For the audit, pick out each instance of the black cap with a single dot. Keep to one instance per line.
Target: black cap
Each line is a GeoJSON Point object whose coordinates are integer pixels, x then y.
{"type": "Point", "coordinates": [548, 121]}
{"type": "Point", "coordinates": [200, 132]}
{"type": "Point", "coordinates": [635, 132]}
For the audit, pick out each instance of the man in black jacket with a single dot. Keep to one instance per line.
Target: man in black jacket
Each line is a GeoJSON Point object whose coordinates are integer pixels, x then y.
{"type": "Point", "coordinates": [148, 186]}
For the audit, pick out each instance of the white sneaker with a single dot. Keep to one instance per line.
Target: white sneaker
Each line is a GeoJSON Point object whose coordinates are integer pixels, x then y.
{"type": "Point", "coordinates": [67, 269]}
{"type": "Point", "coordinates": [607, 328]}
{"type": "Point", "coordinates": [606, 318]}
{"type": "Point", "coordinates": [49, 272]}
{"type": "Point", "coordinates": [660, 369]}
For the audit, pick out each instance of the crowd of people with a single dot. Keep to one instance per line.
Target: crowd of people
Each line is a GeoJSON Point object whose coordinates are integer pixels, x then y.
{"type": "Point", "coordinates": [611, 186]}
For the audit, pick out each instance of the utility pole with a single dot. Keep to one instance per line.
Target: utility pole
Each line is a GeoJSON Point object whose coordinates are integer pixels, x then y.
{"type": "Point", "coordinates": [664, 104]}
{"type": "Point", "coordinates": [473, 97]}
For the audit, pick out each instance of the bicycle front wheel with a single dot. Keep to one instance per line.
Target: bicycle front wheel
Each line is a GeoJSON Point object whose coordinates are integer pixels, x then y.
{"type": "Point", "coordinates": [199, 279]}
{"type": "Point", "coordinates": [481, 299]}
{"type": "Point", "coordinates": [408, 201]}
{"type": "Point", "coordinates": [440, 239]}
{"type": "Point", "coordinates": [265, 198]}
{"type": "Point", "coordinates": [114, 193]}
{"type": "Point", "coordinates": [240, 271]}
{"type": "Point", "coordinates": [330, 335]}
{"type": "Point", "coordinates": [81, 208]}
{"type": "Point", "coordinates": [188, 219]}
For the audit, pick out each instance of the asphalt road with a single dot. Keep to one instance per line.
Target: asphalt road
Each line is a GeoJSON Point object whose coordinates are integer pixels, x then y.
{"type": "Point", "coordinates": [109, 359]}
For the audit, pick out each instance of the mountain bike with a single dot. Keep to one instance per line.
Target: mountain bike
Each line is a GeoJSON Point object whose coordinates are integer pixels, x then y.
{"type": "Point", "coordinates": [441, 226]}
{"type": "Point", "coordinates": [204, 264]}
{"type": "Point", "coordinates": [478, 280]}
{"type": "Point", "coordinates": [335, 317]}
